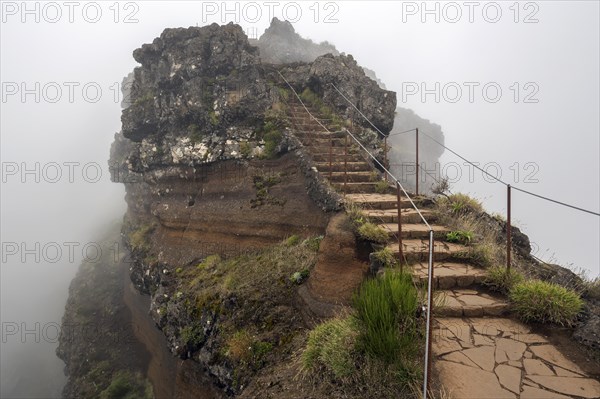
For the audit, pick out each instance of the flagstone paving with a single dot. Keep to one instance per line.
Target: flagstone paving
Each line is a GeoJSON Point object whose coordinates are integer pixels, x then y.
{"type": "Point", "coordinates": [501, 358]}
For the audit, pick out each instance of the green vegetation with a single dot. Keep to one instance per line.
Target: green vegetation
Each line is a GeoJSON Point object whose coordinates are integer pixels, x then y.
{"type": "Point", "coordinates": [544, 302]}
{"type": "Point", "coordinates": [382, 187]}
{"type": "Point", "coordinates": [313, 243]}
{"type": "Point", "coordinates": [292, 240]}
{"type": "Point", "coordinates": [299, 277]}
{"type": "Point", "coordinates": [195, 133]}
{"type": "Point", "coordinates": [138, 239]}
{"type": "Point", "coordinates": [263, 183]}
{"type": "Point", "coordinates": [502, 280]}
{"type": "Point", "coordinates": [332, 344]}
{"type": "Point", "coordinates": [125, 385]}
{"type": "Point", "coordinates": [144, 99]}
{"type": "Point", "coordinates": [386, 308]}
{"type": "Point", "coordinates": [376, 349]}
{"type": "Point", "coordinates": [481, 254]}
{"type": "Point", "coordinates": [313, 100]}
{"type": "Point", "coordinates": [245, 149]}
{"type": "Point", "coordinates": [373, 233]}
{"type": "Point", "coordinates": [242, 347]}
{"type": "Point", "coordinates": [461, 237]}
{"type": "Point", "coordinates": [386, 257]}
{"type": "Point", "coordinates": [192, 335]}
{"type": "Point", "coordinates": [462, 203]}
{"type": "Point", "coordinates": [209, 262]}
{"type": "Point", "coordinates": [354, 212]}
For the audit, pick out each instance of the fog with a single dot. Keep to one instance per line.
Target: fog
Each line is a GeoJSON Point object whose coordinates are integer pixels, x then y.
{"type": "Point", "coordinates": [541, 133]}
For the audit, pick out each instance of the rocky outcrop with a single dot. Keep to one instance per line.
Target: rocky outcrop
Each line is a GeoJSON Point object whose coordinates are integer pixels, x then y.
{"type": "Point", "coordinates": [280, 44]}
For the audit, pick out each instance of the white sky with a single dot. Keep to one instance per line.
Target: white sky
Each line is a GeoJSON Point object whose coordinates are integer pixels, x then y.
{"type": "Point", "coordinates": [558, 55]}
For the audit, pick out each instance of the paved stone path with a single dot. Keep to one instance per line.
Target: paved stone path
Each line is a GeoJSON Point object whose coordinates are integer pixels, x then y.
{"type": "Point", "coordinates": [477, 353]}
{"type": "Point", "coordinates": [501, 358]}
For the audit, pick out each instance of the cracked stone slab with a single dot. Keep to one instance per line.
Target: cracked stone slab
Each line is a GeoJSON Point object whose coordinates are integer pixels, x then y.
{"type": "Point", "coordinates": [478, 384]}
{"type": "Point", "coordinates": [583, 387]}
{"type": "Point", "coordinates": [536, 393]}
{"type": "Point", "coordinates": [509, 377]}
{"type": "Point", "coordinates": [550, 354]}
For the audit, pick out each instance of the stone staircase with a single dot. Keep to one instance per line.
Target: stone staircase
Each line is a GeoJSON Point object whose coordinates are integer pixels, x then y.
{"type": "Point", "coordinates": [477, 352]}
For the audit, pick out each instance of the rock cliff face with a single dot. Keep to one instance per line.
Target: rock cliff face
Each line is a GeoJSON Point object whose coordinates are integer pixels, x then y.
{"type": "Point", "coordinates": [210, 165]}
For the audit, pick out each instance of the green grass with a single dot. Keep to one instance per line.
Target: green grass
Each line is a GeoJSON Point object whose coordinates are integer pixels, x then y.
{"type": "Point", "coordinates": [209, 262]}
{"type": "Point", "coordinates": [462, 203]}
{"type": "Point", "coordinates": [382, 187]}
{"type": "Point", "coordinates": [332, 345]}
{"type": "Point", "coordinates": [138, 239]}
{"type": "Point", "coordinates": [126, 385]}
{"type": "Point", "coordinates": [501, 280]}
{"type": "Point", "coordinates": [355, 213]}
{"type": "Point", "coordinates": [386, 257]}
{"type": "Point", "coordinates": [373, 233]}
{"type": "Point", "coordinates": [460, 237]}
{"type": "Point", "coordinates": [386, 308]}
{"type": "Point", "coordinates": [544, 302]}
{"type": "Point", "coordinates": [293, 240]}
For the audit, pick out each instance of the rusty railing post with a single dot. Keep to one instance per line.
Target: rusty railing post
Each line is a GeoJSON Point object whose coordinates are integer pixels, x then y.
{"type": "Point", "coordinates": [330, 157]}
{"type": "Point", "coordinates": [417, 161]}
{"type": "Point", "coordinates": [508, 228]}
{"type": "Point", "coordinates": [400, 251]}
{"type": "Point", "coordinates": [385, 163]}
{"type": "Point", "coordinates": [345, 161]}
{"type": "Point", "coordinates": [427, 373]}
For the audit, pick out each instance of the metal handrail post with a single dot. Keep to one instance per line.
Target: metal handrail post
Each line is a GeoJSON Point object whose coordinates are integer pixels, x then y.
{"type": "Point", "coordinates": [385, 162]}
{"type": "Point", "coordinates": [330, 157]}
{"type": "Point", "coordinates": [345, 162]}
{"type": "Point", "coordinates": [427, 373]}
{"type": "Point", "coordinates": [400, 250]}
{"type": "Point", "coordinates": [417, 161]}
{"type": "Point", "coordinates": [508, 228]}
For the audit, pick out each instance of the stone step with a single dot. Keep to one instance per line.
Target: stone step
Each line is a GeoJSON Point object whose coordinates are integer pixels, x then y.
{"type": "Point", "coordinates": [338, 158]}
{"type": "Point", "coordinates": [416, 230]}
{"type": "Point", "coordinates": [325, 150]}
{"type": "Point", "coordinates": [324, 167]}
{"type": "Point", "coordinates": [417, 250]}
{"type": "Point", "coordinates": [447, 275]}
{"type": "Point", "coordinates": [352, 187]}
{"type": "Point", "coordinates": [361, 176]}
{"type": "Point", "coordinates": [323, 142]}
{"type": "Point", "coordinates": [409, 215]}
{"type": "Point", "coordinates": [378, 201]}
{"type": "Point", "coordinates": [463, 302]}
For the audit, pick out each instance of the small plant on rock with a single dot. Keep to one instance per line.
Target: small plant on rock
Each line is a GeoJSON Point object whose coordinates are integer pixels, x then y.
{"type": "Point", "coordinates": [382, 187]}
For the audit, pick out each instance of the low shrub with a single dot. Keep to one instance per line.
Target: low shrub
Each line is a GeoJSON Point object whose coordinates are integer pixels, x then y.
{"type": "Point", "coordinates": [292, 240]}
{"type": "Point", "coordinates": [502, 280]}
{"type": "Point", "coordinates": [544, 302]}
{"type": "Point", "coordinates": [373, 233]}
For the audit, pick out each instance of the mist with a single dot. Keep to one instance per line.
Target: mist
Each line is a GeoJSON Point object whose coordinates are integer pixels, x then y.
{"type": "Point", "coordinates": [541, 133]}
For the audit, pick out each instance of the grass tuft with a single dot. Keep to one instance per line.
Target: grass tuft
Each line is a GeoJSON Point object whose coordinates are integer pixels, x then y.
{"type": "Point", "coordinates": [373, 233]}
{"type": "Point", "coordinates": [332, 345]}
{"type": "Point", "coordinates": [544, 302]}
{"type": "Point", "coordinates": [502, 280]}
{"type": "Point", "coordinates": [386, 308]}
